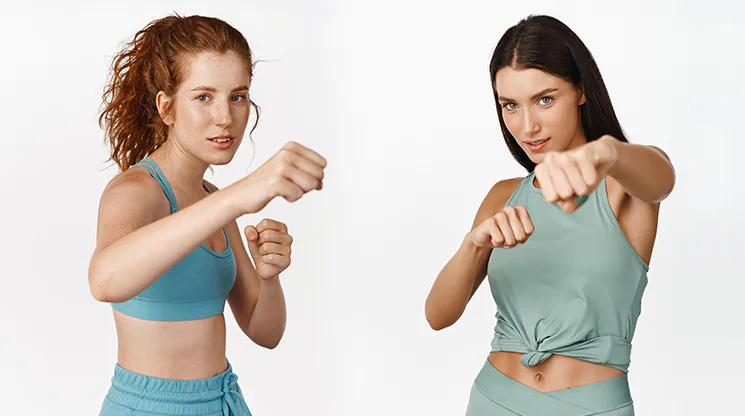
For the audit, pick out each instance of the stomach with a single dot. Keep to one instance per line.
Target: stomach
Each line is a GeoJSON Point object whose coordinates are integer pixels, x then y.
{"type": "Point", "coordinates": [179, 350]}
{"type": "Point", "coordinates": [558, 372]}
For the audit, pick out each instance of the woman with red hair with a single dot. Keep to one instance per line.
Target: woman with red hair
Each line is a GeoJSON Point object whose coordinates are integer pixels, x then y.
{"type": "Point", "coordinates": [169, 253]}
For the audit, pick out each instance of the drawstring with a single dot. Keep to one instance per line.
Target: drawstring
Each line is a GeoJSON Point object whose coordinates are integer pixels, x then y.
{"type": "Point", "coordinates": [230, 388]}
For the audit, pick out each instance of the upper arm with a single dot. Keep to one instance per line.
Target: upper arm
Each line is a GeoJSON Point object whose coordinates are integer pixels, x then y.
{"type": "Point", "coordinates": [129, 202]}
{"type": "Point", "coordinates": [245, 292]}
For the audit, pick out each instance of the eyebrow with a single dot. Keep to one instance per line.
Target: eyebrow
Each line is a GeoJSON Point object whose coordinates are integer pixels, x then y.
{"type": "Point", "coordinates": [212, 89]}
{"type": "Point", "coordinates": [533, 97]}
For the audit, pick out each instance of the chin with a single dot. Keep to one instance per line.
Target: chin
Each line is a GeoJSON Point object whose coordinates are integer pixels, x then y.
{"type": "Point", "coordinates": [221, 160]}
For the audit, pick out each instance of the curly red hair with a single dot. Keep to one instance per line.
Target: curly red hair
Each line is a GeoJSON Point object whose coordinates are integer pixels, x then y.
{"type": "Point", "coordinates": [156, 59]}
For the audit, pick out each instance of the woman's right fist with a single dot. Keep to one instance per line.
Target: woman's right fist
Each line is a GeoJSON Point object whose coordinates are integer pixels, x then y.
{"type": "Point", "coordinates": [506, 229]}
{"type": "Point", "coordinates": [291, 173]}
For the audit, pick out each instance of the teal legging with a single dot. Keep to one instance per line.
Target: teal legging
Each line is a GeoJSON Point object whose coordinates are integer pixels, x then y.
{"type": "Point", "coordinates": [133, 394]}
{"type": "Point", "coordinates": [495, 394]}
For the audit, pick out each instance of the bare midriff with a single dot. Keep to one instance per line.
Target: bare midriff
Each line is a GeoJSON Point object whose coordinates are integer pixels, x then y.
{"type": "Point", "coordinates": [558, 372]}
{"type": "Point", "coordinates": [179, 350]}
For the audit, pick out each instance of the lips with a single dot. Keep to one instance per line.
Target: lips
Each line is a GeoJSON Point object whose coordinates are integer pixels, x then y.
{"type": "Point", "coordinates": [536, 142]}
{"type": "Point", "coordinates": [222, 142]}
{"type": "Point", "coordinates": [537, 145]}
{"type": "Point", "coordinates": [219, 139]}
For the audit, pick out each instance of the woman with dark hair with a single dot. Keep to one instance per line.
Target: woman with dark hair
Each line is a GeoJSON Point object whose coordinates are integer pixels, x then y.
{"type": "Point", "coordinates": [169, 253]}
{"type": "Point", "coordinates": [567, 247]}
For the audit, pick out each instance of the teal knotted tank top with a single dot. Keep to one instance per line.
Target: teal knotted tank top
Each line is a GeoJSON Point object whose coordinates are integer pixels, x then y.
{"type": "Point", "coordinates": [573, 288]}
{"type": "Point", "coordinates": [195, 288]}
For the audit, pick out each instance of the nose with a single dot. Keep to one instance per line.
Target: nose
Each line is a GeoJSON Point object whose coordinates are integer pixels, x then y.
{"type": "Point", "coordinates": [221, 115]}
{"type": "Point", "coordinates": [531, 123]}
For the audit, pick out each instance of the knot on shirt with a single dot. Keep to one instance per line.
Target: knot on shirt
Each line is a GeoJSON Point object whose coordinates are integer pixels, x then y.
{"type": "Point", "coordinates": [532, 358]}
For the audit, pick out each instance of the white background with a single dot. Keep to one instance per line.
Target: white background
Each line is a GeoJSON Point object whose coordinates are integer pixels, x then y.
{"type": "Point", "coordinates": [396, 95]}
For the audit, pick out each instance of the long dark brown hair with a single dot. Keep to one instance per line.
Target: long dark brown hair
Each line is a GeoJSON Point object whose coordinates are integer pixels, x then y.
{"type": "Point", "coordinates": [545, 43]}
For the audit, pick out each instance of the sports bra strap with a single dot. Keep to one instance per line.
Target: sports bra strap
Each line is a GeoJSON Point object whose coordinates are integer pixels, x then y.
{"type": "Point", "coordinates": [150, 164]}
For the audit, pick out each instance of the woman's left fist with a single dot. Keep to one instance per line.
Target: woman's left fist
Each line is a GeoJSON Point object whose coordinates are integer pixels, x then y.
{"type": "Point", "coordinates": [270, 247]}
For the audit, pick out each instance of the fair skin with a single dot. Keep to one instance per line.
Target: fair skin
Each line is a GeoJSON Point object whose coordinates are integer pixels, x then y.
{"type": "Point", "coordinates": [135, 227]}
{"type": "Point", "coordinates": [537, 106]}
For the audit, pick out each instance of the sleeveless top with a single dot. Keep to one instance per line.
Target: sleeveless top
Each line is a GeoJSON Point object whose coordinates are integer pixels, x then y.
{"type": "Point", "coordinates": [195, 288]}
{"type": "Point", "coordinates": [573, 288]}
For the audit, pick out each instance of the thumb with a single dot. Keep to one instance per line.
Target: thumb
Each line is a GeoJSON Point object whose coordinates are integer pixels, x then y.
{"type": "Point", "coordinates": [252, 238]}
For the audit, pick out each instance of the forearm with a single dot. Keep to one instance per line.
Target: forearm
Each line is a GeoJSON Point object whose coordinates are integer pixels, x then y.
{"type": "Point", "coordinates": [131, 264]}
{"type": "Point", "coordinates": [644, 172]}
{"type": "Point", "coordinates": [269, 317]}
{"type": "Point", "coordinates": [455, 285]}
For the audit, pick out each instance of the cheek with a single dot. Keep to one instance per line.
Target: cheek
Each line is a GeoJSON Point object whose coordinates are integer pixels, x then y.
{"type": "Point", "coordinates": [194, 116]}
{"type": "Point", "coordinates": [240, 115]}
{"type": "Point", "coordinates": [513, 123]}
{"type": "Point", "coordinates": [560, 120]}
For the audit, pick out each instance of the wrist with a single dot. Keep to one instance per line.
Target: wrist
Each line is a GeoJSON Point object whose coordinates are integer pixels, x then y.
{"type": "Point", "coordinates": [470, 247]}
{"type": "Point", "coordinates": [609, 151]}
{"type": "Point", "coordinates": [271, 280]}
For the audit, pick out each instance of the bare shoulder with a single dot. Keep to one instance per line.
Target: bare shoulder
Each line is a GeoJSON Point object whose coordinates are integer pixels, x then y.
{"type": "Point", "coordinates": [129, 201]}
{"type": "Point", "coordinates": [495, 199]}
{"type": "Point", "coordinates": [134, 185]}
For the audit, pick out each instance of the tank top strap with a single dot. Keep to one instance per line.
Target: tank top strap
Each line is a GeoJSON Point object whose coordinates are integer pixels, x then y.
{"type": "Point", "coordinates": [157, 174]}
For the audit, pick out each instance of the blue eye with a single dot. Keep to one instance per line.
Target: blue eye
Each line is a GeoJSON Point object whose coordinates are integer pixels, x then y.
{"type": "Point", "coordinates": [200, 98]}
{"type": "Point", "coordinates": [507, 106]}
{"type": "Point", "coordinates": [239, 97]}
{"type": "Point", "coordinates": [542, 100]}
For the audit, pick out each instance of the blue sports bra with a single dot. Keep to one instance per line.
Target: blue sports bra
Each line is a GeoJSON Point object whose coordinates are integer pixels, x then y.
{"type": "Point", "coordinates": [573, 288]}
{"type": "Point", "coordinates": [195, 288]}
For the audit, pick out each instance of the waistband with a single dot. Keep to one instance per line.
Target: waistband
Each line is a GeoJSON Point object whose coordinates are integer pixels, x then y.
{"type": "Point", "coordinates": [592, 398]}
{"type": "Point", "coordinates": [178, 397]}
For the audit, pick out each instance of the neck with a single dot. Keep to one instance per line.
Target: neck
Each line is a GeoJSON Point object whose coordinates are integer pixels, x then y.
{"type": "Point", "coordinates": [183, 170]}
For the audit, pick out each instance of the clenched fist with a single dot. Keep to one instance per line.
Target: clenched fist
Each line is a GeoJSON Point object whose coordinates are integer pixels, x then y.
{"type": "Point", "coordinates": [566, 178]}
{"type": "Point", "coordinates": [270, 247]}
{"type": "Point", "coordinates": [506, 229]}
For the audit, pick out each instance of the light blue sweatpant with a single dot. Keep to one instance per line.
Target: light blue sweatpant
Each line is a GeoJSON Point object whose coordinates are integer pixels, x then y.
{"type": "Point", "coordinates": [133, 394]}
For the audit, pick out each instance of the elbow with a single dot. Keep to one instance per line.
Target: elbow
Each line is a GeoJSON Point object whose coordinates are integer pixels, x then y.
{"type": "Point", "coordinates": [669, 178]}
{"type": "Point", "coordinates": [99, 289]}
{"type": "Point", "coordinates": [438, 324]}
{"type": "Point", "coordinates": [268, 338]}
{"type": "Point", "coordinates": [100, 292]}
{"type": "Point", "coordinates": [436, 321]}
{"type": "Point", "coordinates": [95, 283]}
{"type": "Point", "coordinates": [271, 344]}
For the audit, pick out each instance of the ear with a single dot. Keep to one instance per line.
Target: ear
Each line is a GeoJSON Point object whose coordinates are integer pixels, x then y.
{"type": "Point", "coordinates": [163, 102]}
{"type": "Point", "coordinates": [582, 98]}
